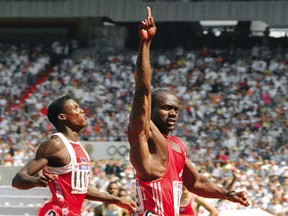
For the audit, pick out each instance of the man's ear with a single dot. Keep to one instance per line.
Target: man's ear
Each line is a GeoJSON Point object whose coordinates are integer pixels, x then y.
{"type": "Point", "coordinates": [61, 116]}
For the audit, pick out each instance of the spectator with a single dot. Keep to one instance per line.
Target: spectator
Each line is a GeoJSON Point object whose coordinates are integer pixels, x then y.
{"type": "Point", "coordinates": [108, 208]}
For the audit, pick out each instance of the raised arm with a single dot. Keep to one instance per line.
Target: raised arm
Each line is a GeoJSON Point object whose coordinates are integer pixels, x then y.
{"type": "Point", "coordinates": [236, 176]}
{"type": "Point", "coordinates": [141, 107]}
{"type": "Point", "coordinates": [139, 122]}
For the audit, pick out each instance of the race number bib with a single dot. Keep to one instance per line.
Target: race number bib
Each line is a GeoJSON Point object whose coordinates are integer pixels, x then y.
{"type": "Point", "coordinates": [80, 178]}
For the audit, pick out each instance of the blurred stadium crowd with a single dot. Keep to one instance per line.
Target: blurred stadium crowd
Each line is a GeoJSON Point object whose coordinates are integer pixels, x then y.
{"type": "Point", "coordinates": [234, 109]}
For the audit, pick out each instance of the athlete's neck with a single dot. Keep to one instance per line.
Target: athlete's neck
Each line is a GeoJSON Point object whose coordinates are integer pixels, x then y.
{"type": "Point", "coordinates": [72, 136]}
{"type": "Point", "coordinates": [167, 136]}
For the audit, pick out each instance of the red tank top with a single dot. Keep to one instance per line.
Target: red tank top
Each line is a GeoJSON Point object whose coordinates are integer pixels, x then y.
{"type": "Point", "coordinates": [188, 209]}
{"type": "Point", "coordinates": [70, 183]}
{"type": "Point", "coordinates": [162, 197]}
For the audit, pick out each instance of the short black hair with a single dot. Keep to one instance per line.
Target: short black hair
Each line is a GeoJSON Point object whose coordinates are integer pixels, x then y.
{"type": "Point", "coordinates": [55, 108]}
{"type": "Point", "coordinates": [158, 92]}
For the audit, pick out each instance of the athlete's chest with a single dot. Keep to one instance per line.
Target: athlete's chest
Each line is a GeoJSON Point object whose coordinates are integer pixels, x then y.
{"type": "Point", "coordinates": [80, 153]}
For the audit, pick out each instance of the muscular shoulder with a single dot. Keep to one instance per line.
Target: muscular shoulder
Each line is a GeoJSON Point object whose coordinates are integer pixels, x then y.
{"type": "Point", "coordinates": [54, 150]}
{"type": "Point", "coordinates": [52, 145]}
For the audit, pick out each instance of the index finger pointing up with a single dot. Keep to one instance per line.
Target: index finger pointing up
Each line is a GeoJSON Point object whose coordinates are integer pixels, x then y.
{"type": "Point", "coordinates": [148, 12]}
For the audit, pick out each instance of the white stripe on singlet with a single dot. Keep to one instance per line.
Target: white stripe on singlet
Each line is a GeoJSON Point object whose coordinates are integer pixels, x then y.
{"type": "Point", "coordinates": [157, 196]}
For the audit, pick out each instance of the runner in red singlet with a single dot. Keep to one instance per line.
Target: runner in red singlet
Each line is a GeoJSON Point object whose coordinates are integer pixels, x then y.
{"type": "Point", "coordinates": [63, 164]}
{"type": "Point", "coordinates": [158, 157]}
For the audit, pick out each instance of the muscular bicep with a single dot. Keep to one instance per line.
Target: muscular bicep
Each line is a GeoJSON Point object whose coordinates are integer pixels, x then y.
{"type": "Point", "coordinates": [190, 176]}
{"type": "Point", "coordinates": [139, 120]}
{"type": "Point", "coordinates": [34, 166]}
{"type": "Point", "coordinates": [27, 177]}
{"type": "Point", "coordinates": [39, 162]}
{"type": "Point", "coordinates": [52, 152]}
{"type": "Point", "coordinates": [200, 184]}
{"type": "Point", "coordinates": [139, 131]}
